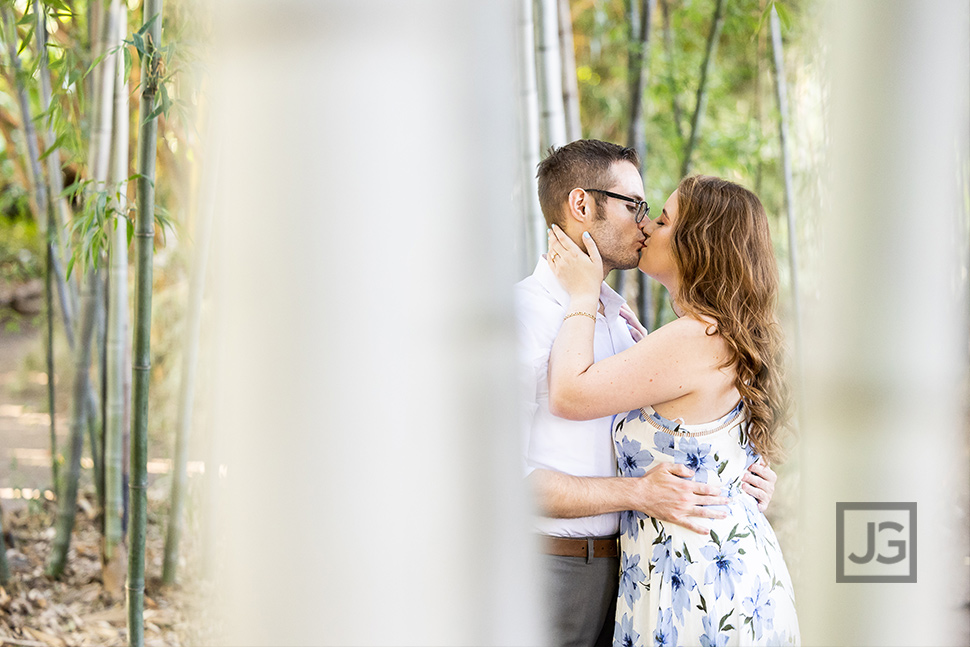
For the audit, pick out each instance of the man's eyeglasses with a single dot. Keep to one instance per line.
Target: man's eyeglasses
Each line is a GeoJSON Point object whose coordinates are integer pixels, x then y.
{"type": "Point", "coordinates": [642, 207]}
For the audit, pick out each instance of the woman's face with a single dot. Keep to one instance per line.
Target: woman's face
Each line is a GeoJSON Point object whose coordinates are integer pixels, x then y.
{"type": "Point", "coordinates": [657, 258]}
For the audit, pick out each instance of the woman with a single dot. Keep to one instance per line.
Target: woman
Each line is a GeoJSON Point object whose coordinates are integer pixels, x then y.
{"type": "Point", "coordinates": [707, 391]}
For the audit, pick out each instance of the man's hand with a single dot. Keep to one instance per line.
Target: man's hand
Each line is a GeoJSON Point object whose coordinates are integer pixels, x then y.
{"type": "Point", "coordinates": [759, 482]}
{"type": "Point", "coordinates": [637, 331]}
{"type": "Point", "coordinates": [666, 494]}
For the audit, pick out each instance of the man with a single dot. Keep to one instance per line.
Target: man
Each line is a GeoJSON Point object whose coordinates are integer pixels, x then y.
{"type": "Point", "coordinates": [592, 186]}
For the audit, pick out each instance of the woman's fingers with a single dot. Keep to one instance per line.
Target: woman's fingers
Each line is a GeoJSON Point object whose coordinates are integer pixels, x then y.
{"type": "Point", "coordinates": [565, 241]}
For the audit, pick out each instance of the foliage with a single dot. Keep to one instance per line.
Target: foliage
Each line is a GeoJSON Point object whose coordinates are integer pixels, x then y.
{"type": "Point", "coordinates": [739, 137]}
{"type": "Point", "coordinates": [21, 251]}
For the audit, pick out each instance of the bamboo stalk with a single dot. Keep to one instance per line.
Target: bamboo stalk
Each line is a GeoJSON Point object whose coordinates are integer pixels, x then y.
{"type": "Point", "coordinates": [57, 204]}
{"type": "Point", "coordinates": [535, 225]}
{"type": "Point", "coordinates": [4, 567]}
{"type": "Point", "coordinates": [54, 242]}
{"type": "Point", "coordinates": [99, 158]}
{"type": "Point", "coordinates": [552, 113]}
{"type": "Point", "coordinates": [781, 86]}
{"type": "Point", "coordinates": [117, 365]}
{"type": "Point", "coordinates": [570, 87]}
{"type": "Point", "coordinates": [51, 400]}
{"type": "Point", "coordinates": [145, 237]}
{"type": "Point", "coordinates": [639, 71]}
{"type": "Point", "coordinates": [709, 54]}
{"type": "Point", "coordinates": [67, 499]}
{"type": "Point", "coordinates": [189, 361]}
{"type": "Point", "coordinates": [671, 82]}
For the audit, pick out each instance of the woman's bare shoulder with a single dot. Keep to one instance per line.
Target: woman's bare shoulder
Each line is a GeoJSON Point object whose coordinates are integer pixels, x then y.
{"type": "Point", "coordinates": [693, 336]}
{"type": "Point", "coordinates": [689, 326]}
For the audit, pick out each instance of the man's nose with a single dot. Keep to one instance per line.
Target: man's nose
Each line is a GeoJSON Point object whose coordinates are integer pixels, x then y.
{"type": "Point", "coordinates": [647, 226]}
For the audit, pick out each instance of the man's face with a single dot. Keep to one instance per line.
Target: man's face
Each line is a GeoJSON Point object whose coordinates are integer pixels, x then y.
{"type": "Point", "coordinates": [614, 228]}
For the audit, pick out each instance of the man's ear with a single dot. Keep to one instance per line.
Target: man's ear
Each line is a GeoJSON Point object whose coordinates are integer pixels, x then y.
{"type": "Point", "coordinates": [578, 206]}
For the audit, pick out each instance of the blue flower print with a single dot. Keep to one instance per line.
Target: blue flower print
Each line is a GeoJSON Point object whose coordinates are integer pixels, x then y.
{"type": "Point", "coordinates": [631, 575]}
{"type": "Point", "coordinates": [711, 637]}
{"type": "Point", "coordinates": [752, 455]}
{"type": "Point", "coordinates": [760, 608]}
{"type": "Point", "coordinates": [665, 634]}
{"type": "Point", "coordinates": [636, 413]}
{"type": "Point", "coordinates": [681, 584]}
{"type": "Point", "coordinates": [661, 559]}
{"type": "Point", "coordinates": [725, 567]}
{"type": "Point", "coordinates": [631, 458]}
{"type": "Point", "coordinates": [697, 457]}
{"type": "Point", "coordinates": [664, 443]}
{"type": "Point", "coordinates": [624, 635]}
{"type": "Point", "coordinates": [630, 523]}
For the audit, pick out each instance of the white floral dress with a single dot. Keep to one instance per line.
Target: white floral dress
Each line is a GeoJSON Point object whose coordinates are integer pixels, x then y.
{"type": "Point", "coordinates": [677, 587]}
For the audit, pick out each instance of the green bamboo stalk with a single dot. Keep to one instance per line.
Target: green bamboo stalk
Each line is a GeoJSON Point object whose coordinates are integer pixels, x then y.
{"type": "Point", "coordinates": [4, 568]}
{"type": "Point", "coordinates": [641, 14]}
{"type": "Point", "coordinates": [671, 82]}
{"type": "Point", "coordinates": [51, 400]}
{"type": "Point", "coordinates": [145, 237]}
{"type": "Point", "coordinates": [57, 204]}
{"type": "Point", "coordinates": [52, 235]}
{"type": "Point", "coordinates": [67, 499]}
{"type": "Point", "coordinates": [709, 54]}
{"type": "Point", "coordinates": [117, 324]}
{"type": "Point", "coordinates": [187, 387]}
{"type": "Point", "coordinates": [99, 157]}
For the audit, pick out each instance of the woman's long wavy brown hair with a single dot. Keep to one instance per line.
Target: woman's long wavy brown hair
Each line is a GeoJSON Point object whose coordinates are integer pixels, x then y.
{"type": "Point", "coordinates": [723, 249]}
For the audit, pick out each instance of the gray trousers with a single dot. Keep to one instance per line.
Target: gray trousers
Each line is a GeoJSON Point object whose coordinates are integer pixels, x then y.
{"type": "Point", "coordinates": [581, 599]}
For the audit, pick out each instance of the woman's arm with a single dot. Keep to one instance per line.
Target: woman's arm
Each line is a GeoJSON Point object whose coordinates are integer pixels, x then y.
{"type": "Point", "coordinates": [664, 366]}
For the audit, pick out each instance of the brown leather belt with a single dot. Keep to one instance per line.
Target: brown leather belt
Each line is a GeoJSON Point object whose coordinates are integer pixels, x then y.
{"type": "Point", "coordinates": [568, 547]}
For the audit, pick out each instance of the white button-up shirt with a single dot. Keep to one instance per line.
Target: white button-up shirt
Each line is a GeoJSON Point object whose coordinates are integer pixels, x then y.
{"type": "Point", "coordinates": [580, 448]}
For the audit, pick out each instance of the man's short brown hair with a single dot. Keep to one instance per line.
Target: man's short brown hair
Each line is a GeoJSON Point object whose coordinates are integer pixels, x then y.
{"type": "Point", "coordinates": [584, 164]}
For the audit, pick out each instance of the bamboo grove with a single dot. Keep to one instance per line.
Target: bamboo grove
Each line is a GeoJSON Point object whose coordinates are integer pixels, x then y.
{"type": "Point", "coordinates": [693, 86]}
{"type": "Point", "coordinates": [101, 131]}
{"type": "Point", "coordinates": [81, 158]}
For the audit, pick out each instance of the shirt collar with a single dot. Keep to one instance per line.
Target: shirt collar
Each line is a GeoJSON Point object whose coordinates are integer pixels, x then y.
{"type": "Point", "coordinates": [543, 274]}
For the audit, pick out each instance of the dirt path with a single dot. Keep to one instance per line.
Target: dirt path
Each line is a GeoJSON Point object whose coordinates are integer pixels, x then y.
{"type": "Point", "coordinates": [75, 610]}
{"type": "Point", "coordinates": [25, 461]}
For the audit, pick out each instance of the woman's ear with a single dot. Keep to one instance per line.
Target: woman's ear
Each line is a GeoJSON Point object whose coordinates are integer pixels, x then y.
{"type": "Point", "coordinates": [578, 205]}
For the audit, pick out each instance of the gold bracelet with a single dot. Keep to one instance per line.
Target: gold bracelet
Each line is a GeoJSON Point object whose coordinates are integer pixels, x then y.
{"type": "Point", "coordinates": [577, 313]}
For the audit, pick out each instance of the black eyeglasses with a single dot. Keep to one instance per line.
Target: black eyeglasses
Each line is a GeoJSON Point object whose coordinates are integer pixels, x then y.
{"type": "Point", "coordinates": [642, 207]}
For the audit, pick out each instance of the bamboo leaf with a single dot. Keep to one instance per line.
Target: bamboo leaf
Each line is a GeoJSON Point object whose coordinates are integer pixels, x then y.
{"type": "Point", "coordinates": [95, 63]}
{"type": "Point", "coordinates": [784, 15]}
{"type": "Point", "coordinates": [60, 5]}
{"type": "Point", "coordinates": [764, 17]}
{"type": "Point", "coordinates": [166, 101]}
{"type": "Point", "coordinates": [53, 147]}
{"type": "Point", "coordinates": [139, 43]}
{"type": "Point", "coordinates": [26, 40]}
{"type": "Point", "coordinates": [154, 114]}
{"type": "Point", "coordinates": [147, 25]}
{"type": "Point", "coordinates": [27, 18]}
